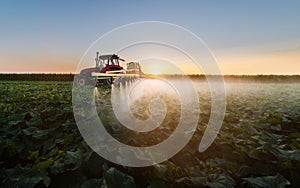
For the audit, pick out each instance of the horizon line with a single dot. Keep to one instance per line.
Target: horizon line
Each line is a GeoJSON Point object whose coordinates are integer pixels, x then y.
{"type": "Point", "coordinates": [253, 74]}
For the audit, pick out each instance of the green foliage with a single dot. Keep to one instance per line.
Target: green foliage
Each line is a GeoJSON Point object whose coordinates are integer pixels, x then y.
{"type": "Point", "coordinates": [277, 181]}
{"type": "Point", "coordinates": [114, 179]}
{"type": "Point", "coordinates": [37, 77]}
{"type": "Point", "coordinates": [258, 146]}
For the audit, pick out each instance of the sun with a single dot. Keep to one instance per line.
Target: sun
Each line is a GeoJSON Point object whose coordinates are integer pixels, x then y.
{"type": "Point", "coordinates": [153, 69]}
{"type": "Point", "coordinates": [158, 67]}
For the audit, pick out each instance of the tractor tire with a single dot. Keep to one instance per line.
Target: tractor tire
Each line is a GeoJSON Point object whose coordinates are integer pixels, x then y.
{"type": "Point", "coordinates": [82, 80]}
{"type": "Point", "coordinates": [108, 81]}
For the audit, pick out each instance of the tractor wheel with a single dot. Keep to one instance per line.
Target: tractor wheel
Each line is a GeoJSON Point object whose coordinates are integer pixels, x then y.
{"type": "Point", "coordinates": [82, 80]}
{"type": "Point", "coordinates": [108, 81]}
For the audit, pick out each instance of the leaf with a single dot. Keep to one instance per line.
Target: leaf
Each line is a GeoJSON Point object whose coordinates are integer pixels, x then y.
{"type": "Point", "coordinates": [198, 181]}
{"type": "Point", "coordinates": [161, 171]}
{"type": "Point", "coordinates": [195, 171]}
{"type": "Point", "coordinates": [274, 118]}
{"type": "Point", "coordinates": [36, 120]}
{"type": "Point", "coordinates": [57, 167]}
{"type": "Point", "coordinates": [276, 127]}
{"type": "Point", "coordinates": [35, 132]}
{"type": "Point", "coordinates": [157, 184]}
{"type": "Point", "coordinates": [94, 165]}
{"type": "Point", "coordinates": [40, 133]}
{"type": "Point", "coordinates": [14, 123]}
{"type": "Point", "coordinates": [220, 180]}
{"type": "Point", "coordinates": [277, 181]}
{"type": "Point", "coordinates": [250, 129]}
{"type": "Point", "coordinates": [72, 157]}
{"type": "Point", "coordinates": [48, 145]}
{"type": "Point", "coordinates": [23, 177]}
{"type": "Point", "coordinates": [113, 178]}
{"type": "Point", "coordinates": [47, 181]}
{"type": "Point", "coordinates": [30, 131]}
{"type": "Point", "coordinates": [73, 160]}
{"type": "Point", "coordinates": [283, 155]}
{"type": "Point", "coordinates": [212, 181]}
{"type": "Point", "coordinates": [43, 165]}
{"type": "Point", "coordinates": [93, 183]}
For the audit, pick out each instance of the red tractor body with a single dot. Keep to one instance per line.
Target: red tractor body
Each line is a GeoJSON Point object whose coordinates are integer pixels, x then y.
{"type": "Point", "coordinates": [107, 68]}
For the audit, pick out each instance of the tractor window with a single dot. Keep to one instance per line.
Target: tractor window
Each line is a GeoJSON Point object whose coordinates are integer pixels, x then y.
{"type": "Point", "coordinates": [114, 62]}
{"type": "Point", "coordinates": [100, 64]}
{"type": "Point", "coordinates": [106, 62]}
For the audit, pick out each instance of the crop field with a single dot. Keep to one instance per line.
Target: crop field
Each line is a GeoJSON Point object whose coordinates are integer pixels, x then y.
{"type": "Point", "coordinates": [258, 144]}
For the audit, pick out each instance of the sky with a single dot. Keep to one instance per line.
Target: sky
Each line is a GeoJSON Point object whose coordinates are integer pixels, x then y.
{"type": "Point", "coordinates": [245, 37]}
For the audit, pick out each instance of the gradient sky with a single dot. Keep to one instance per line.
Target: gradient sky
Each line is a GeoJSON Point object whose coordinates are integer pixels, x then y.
{"type": "Point", "coordinates": [247, 37]}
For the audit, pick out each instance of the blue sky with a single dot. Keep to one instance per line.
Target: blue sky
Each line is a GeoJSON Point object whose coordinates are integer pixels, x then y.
{"type": "Point", "coordinates": [247, 37]}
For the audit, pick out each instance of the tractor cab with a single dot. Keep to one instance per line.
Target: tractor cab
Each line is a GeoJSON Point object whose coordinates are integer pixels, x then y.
{"type": "Point", "coordinates": [108, 63]}
{"type": "Point", "coordinates": [104, 64]}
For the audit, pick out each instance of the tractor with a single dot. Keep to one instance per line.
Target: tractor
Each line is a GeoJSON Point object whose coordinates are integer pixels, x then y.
{"type": "Point", "coordinates": [106, 70]}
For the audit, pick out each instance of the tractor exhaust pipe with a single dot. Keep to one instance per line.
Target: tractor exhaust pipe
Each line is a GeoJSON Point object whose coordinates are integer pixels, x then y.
{"type": "Point", "coordinates": [97, 59]}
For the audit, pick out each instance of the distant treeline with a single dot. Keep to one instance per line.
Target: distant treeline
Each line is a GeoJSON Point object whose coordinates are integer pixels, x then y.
{"type": "Point", "coordinates": [227, 78]}
{"type": "Point", "coordinates": [264, 78]}
{"type": "Point", "coordinates": [244, 78]}
{"type": "Point", "coordinates": [37, 77]}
